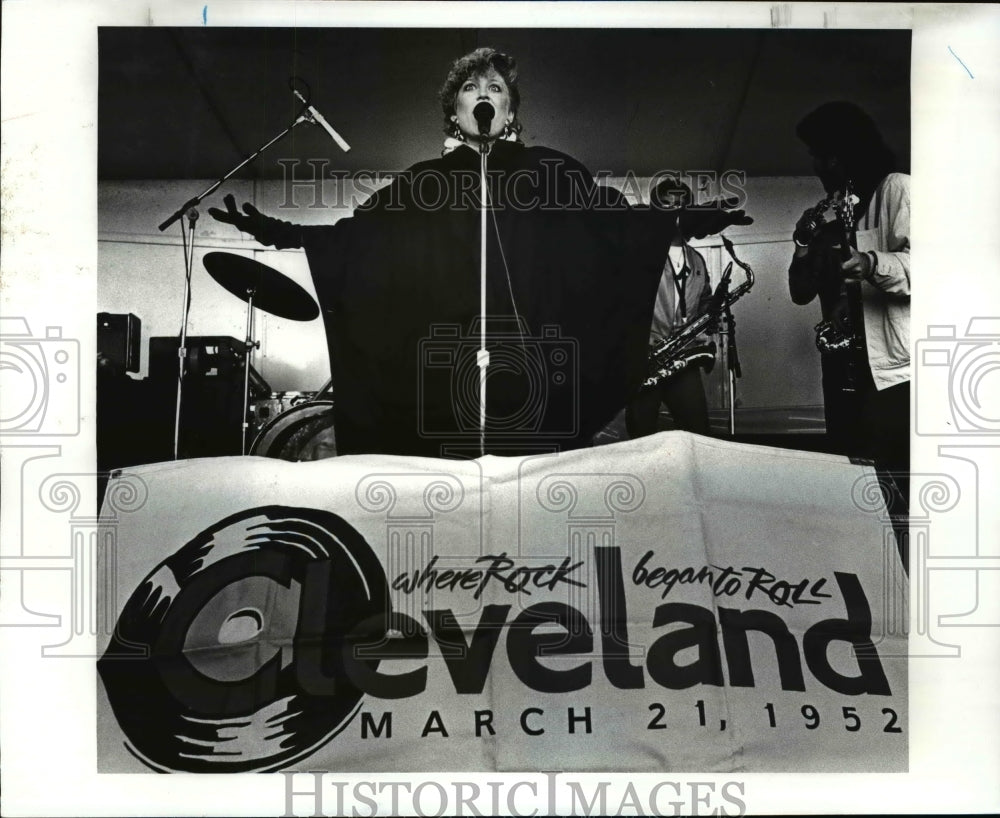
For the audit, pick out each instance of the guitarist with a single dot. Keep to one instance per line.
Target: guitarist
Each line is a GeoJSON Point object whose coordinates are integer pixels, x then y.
{"type": "Point", "coordinates": [861, 275]}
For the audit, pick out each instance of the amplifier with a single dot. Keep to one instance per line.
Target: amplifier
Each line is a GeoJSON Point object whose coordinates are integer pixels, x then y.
{"type": "Point", "coordinates": [208, 357]}
{"type": "Point", "coordinates": [212, 409]}
{"type": "Point", "coordinates": [118, 339]}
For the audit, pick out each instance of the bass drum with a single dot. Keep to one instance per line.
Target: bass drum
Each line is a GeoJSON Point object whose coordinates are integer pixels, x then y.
{"type": "Point", "coordinates": [304, 432]}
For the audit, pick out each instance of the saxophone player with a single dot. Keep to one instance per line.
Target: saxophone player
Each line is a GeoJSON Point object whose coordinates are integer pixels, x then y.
{"type": "Point", "coordinates": [683, 295]}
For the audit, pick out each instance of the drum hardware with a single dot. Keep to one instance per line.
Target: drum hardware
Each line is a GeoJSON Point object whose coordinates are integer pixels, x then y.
{"type": "Point", "coordinates": [325, 391]}
{"type": "Point", "coordinates": [288, 430]}
{"type": "Point", "coordinates": [304, 432]}
{"type": "Point", "coordinates": [264, 410]}
{"type": "Point", "coordinates": [264, 288]}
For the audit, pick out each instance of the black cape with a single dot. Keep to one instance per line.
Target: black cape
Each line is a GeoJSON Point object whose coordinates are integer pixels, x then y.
{"type": "Point", "coordinates": [572, 276]}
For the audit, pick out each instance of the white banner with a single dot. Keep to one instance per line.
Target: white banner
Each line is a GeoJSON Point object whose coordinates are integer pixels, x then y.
{"type": "Point", "coordinates": [672, 603]}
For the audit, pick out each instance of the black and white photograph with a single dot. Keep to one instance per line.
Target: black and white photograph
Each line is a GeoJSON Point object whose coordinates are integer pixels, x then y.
{"type": "Point", "coordinates": [450, 415]}
{"type": "Point", "coordinates": [602, 167]}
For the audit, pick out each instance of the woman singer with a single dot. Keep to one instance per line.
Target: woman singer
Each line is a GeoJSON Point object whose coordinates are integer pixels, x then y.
{"type": "Point", "coordinates": [571, 275]}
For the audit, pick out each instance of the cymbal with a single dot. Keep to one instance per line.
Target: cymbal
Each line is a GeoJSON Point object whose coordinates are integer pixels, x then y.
{"type": "Point", "coordinates": [272, 291]}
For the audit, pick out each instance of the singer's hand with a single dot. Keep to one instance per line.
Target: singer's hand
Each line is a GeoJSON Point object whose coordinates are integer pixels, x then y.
{"type": "Point", "coordinates": [857, 267]}
{"type": "Point", "coordinates": [268, 231]}
{"type": "Point", "coordinates": [704, 220]}
{"type": "Point", "coordinates": [251, 220]}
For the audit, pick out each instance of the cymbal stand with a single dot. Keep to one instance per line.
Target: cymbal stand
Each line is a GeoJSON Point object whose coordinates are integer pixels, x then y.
{"type": "Point", "coordinates": [250, 346]}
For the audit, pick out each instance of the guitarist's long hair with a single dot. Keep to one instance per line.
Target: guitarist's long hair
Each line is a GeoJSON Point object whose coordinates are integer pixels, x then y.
{"type": "Point", "coordinates": [844, 130]}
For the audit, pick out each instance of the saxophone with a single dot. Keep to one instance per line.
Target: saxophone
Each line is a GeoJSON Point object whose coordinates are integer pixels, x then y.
{"type": "Point", "coordinates": [684, 347]}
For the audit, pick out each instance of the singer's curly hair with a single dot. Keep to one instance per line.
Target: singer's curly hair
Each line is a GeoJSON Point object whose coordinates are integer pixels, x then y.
{"type": "Point", "coordinates": [475, 64]}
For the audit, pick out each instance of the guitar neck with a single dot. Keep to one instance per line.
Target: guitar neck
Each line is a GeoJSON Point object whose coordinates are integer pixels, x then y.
{"type": "Point", "coordinates": [845, 244]}
{"type": "Point", "coordinates": [845, 222]}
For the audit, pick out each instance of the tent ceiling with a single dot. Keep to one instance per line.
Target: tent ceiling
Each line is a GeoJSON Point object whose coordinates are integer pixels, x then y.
{"type": "Point", "coordinates": [190, 103]}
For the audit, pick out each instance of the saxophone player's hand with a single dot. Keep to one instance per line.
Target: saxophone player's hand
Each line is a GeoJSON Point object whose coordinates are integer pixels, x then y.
{"type": "Point", "coordinates": [706, 349]}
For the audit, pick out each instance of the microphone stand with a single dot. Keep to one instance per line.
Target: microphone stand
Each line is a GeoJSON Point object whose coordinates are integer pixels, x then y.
{"type": "Point", "coordinates": [196, 200]}
{"type": "Point", "coordinates": [483, 358]}
{"type": "Point", "coordinates": [192, 215]}
{"type": "Point", "coordinates": [190, 208]}
{"type": "Point", "coordinates": [733, 365]}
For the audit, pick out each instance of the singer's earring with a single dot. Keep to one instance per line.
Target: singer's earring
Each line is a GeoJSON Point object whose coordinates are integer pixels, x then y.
{"type": "Point", "coordinates": [456, 132]}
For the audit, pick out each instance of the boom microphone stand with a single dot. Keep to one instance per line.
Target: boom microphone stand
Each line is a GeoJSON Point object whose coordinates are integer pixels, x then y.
{"type": "Point", "coordinates": [307, 114]}
{"type": "Point", "coordinates": [196, 200]}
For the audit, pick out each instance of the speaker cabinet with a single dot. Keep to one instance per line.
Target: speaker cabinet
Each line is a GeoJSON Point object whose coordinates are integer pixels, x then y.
{"type": "Point", "coordinates": [118, 341]}
{"type": "Point", "coordinates": [212, 402]}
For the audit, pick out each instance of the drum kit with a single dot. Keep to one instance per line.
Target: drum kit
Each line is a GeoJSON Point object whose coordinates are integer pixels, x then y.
{"type": "Point", "coordinates": [288, 425]}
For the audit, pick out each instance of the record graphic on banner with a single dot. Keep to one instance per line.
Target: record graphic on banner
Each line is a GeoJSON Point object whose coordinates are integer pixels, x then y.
{"type": "Point", "coordinates": [230, 656]}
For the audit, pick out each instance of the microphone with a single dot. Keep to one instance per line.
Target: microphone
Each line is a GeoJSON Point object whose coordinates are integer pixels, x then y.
{"type": "Point", "coordinates": [320, 120]}
{"type": "Point", "coordinates": [718, 300]}
{"type": "Point", "coordinates": [484, 112]}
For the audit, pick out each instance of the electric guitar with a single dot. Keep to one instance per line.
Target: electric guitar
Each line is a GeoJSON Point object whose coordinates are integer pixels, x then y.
{"type": "Point", "coordinates": [844, 331]}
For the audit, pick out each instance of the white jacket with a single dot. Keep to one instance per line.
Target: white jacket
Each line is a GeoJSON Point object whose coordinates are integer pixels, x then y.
{"type": "Point", "coordinates": [885, 229]}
